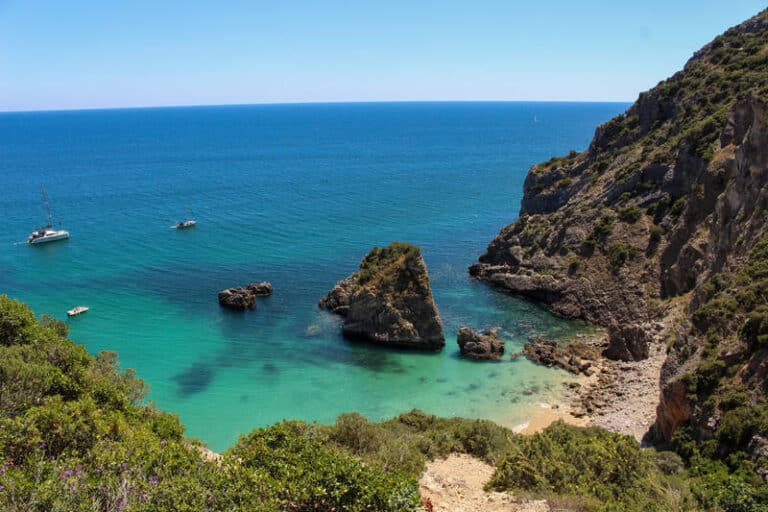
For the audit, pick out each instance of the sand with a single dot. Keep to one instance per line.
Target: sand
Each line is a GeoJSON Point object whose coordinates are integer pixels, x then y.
{"type": "Point", "coordinates": [455, 484]}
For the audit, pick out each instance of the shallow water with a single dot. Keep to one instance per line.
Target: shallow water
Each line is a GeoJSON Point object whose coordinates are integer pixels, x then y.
{"type": "Point", "coordinates": [292, 194]}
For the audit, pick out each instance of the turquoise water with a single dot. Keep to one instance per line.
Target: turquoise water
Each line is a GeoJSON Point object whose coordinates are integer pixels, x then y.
{"type": "Point", "coordinates": [292, 194]}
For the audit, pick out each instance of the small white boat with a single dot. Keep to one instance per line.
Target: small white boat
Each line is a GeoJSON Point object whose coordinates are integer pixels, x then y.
{"type": "Point", "coordinates": [185, 224]}
{"type": "Point", "coordinates": [78, 310]}
{"type": "Point", "coordinates": [47, 233]}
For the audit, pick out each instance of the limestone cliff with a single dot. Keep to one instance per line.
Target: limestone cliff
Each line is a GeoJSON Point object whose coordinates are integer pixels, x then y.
{"type": "Point", "coordinates": [668, 198]}
{"type": "Point", "coordinates": [389, 300]}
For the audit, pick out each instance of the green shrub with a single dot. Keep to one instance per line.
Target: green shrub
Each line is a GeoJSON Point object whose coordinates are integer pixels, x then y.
{"type": "Point", "coordinates": [755, 329]}
{"type": "Point", "coordinates": [630, 213]}
{"type": "Point", "coordinates": [619, 253]}
{"type": "Point", "coordinates": [655, 234]}
{"type": "Point", "coordinates": [305, 474]}
{"type": "Point", "coordinates": [678, 206]}
{"type": "Point", "coordinates": [584, 462]}
{"type": "Point", "coordinates": [379, 258]}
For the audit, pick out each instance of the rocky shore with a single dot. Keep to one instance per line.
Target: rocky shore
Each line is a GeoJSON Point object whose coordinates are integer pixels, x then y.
{"type": "Point", "coordinates": [658, 232]}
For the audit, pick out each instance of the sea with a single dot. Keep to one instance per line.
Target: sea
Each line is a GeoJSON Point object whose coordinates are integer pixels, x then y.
{"type": "Point", "coordinates": [295, 195]}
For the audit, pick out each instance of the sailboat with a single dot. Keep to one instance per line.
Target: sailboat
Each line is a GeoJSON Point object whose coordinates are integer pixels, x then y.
{"type": "Point", "coordinates": [47, 233]}
{"type": "Point", "coordinates": [186, 223]}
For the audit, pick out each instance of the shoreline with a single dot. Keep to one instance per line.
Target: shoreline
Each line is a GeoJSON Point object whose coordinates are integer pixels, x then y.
{"type": "Point", "coordinates": [622, 396]}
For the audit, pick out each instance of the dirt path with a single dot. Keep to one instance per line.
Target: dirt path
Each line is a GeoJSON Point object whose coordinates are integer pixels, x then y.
{"type": "Point", "coordinates": [455, 484]}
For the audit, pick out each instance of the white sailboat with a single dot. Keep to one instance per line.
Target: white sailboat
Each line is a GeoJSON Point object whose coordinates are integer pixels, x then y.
{"type": "Point", "coordinates": [47, 233]}
{"type": "Point", "coordinates": [186, 223]}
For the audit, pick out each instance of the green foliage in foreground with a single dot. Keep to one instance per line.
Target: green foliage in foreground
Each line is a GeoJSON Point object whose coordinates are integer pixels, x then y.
{"type": "Point", "coordinates": [582, 469]}
{"type": "Point", "coordinates": [75, 436]}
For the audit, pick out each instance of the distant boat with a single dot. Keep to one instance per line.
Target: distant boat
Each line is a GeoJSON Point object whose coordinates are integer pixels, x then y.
{"type": "Point", "coordinates": [47, 233]}
{"type": "Point", "coordinates": [186, 223]}
{"type": "Point", "coordinates": [78, 310]}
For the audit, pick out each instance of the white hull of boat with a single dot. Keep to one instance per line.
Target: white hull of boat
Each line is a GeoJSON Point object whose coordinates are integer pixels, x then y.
{"type": "Point", "coordinates": [186, 224]}
{"type": "Point", "coordinates": [49, 236]}
{"type": "Point", "coordinates": [77, 310]}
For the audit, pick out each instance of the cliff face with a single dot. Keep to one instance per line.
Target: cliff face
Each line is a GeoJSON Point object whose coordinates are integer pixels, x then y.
{"type": "Point", "coordinates": [389, 300]}
{"type": "Point", "coordinates": [668, 198]}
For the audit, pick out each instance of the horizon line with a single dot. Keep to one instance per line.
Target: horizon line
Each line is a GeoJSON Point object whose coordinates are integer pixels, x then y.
{"type": "Point", "coordinates": [290, 103]}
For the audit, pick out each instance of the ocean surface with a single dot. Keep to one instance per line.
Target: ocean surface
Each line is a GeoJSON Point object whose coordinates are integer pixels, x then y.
{"type": "Point", "coordinates": [295, 195]}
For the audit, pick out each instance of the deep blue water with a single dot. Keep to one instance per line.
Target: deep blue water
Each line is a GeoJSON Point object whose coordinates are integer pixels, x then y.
{"type": "Point", "coordinates": [292, 194]}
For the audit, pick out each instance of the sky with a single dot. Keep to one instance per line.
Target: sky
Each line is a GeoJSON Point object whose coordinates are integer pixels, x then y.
{"type": "Point", "coordinates": [73, 54]}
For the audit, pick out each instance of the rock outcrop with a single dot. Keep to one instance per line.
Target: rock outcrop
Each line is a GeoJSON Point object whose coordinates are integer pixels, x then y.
{"type": "Point", "coordinates": [661, 213]}
{"type": "Point", "coordinates": [628, 343]}
{"type": "Point", "coordinates": [244, 297]}
{"type": "Point", "coordinates": [570, 358]}
{"type": "Point", "coordinates": [479, 345]}
{"type": "Point", "coordinates": [260, 289]}
{"type": "Point", "coordinates": [388, 301]}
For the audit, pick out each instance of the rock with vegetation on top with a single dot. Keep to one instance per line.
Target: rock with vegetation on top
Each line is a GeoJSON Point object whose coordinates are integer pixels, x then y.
{"type": "Point", "coordinates": [244, 297]}
{"type": "Point", "coordinates": [388, 301]}
{"type": "Point", "coordinates": [479, 345]}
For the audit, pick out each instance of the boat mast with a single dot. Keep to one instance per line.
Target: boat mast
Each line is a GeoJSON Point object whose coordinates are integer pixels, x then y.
{"type": "Point", "coordinates": [45, 203]}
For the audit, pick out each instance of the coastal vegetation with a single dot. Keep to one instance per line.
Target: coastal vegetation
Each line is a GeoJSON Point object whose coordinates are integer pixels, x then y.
{"type": "Point", "coordinates": [76, 434]}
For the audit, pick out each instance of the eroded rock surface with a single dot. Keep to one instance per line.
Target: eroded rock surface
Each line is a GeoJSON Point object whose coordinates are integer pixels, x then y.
{"type": "Point", "coordinates": [479, 345]}
{"type": "Point", "coordinates": [388, 301]}
{"type": "Point", "coordinates": [244, 297]}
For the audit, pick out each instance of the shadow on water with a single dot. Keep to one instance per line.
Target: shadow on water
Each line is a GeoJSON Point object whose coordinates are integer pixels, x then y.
{"type": "Point", "coordinates": [275, 331]}
{"type": "Point", "coordinates": [194, 379]}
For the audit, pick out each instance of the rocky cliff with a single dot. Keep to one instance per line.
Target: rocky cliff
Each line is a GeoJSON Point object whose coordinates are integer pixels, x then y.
{"type": "Point", "coordinates": [667, 203]}
{"type": "Point", "coordinates": [389, 300]}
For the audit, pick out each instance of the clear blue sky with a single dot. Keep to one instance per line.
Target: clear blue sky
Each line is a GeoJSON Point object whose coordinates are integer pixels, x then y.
{"type": "Point", "coordinates": [61, 54]}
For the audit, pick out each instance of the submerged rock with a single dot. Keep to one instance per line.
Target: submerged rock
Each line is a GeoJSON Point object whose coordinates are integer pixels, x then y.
{"type": "Point", "coordinates": [244, 297]}
{"type": "Point", "coordinates": [479, 345]}
{"type": "Point", "coordinates": [389, 300]}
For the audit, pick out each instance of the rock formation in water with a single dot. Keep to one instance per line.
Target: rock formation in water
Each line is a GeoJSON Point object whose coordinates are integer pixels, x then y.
{"type": "Point", "coordinates": [244, 297]}
{"type": "Point", "coordinates": [574, 357]}
{"type": "Point", "coordinates": [479, 345]}
{"type": "Point", "coordinates": [667, 207]}
{"type": "Point", "coordinates": [388, 300]}
{"type": "Point", "coordinates": [260, 289]}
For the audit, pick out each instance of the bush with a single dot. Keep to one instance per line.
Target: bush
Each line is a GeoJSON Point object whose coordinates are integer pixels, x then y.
{"type": "Point", "coordinates": [619, 253]}
{"type": "Point", "coordinates": [655, 233]}
{"type": "Point", "coordinates": [630, 213]}
{"type": "Point", "coordinates": [602, 229]}
{"type": "Point", "coordinates": [678, 206]}
{"type": "Point", "coordinates": [306, 475]}
{"type": "Point", "coordinates": [583, 462]}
